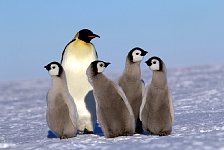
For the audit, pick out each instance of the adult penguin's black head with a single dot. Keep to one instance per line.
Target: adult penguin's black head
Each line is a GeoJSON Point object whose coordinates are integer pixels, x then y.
{"type": "Point", "coordinates": [86, 35]}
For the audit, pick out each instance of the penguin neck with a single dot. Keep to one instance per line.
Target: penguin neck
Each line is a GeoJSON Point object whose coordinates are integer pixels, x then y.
{"type": "Point", "coordinates": [59, 82]}
{"type": "Point", "coordinates": [81, 51]}
{"type": "Point", "coordinates": [99, 77]}
{"type": "Point", "coordinates": [159, 79]}
{"type": "Point", "coordinates": [81, 42]}
{"type": "Point", "coordinates": [132, 70]}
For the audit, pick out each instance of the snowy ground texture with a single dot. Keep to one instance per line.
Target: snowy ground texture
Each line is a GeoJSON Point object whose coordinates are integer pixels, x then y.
{"type": "Point", "coordinates": [199, 116]}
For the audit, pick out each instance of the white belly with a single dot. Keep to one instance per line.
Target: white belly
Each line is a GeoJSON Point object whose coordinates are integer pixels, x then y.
{"type": "Point", "coordinates": [76, 60]}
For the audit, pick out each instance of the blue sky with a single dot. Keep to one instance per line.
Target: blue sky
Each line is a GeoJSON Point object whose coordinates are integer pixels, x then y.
{"type": "Point", "coordinates": [182, 33]}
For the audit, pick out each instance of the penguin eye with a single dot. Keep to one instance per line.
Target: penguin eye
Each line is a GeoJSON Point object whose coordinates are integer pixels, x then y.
{"type": "Point", "coordinates": [53, 67]}
{"type": "Point", "coordinates": [101, 65]}
{"type": "Point", "coordinates": [137, 53]}
{"type": "Point", "coordinates": [154, 62]}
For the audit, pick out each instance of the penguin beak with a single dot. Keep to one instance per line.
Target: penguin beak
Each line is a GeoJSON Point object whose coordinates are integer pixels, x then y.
{"type": "Point", "coordinates": [106, 64]}
{"type": "Point", "coordinates": [148, 63]}
{"type": "Point", "coordinates": [144, 53]}
{"type": "Point", "coordinates": [93, 36]}
{"type": "Point", "coordinates": [47, 68]}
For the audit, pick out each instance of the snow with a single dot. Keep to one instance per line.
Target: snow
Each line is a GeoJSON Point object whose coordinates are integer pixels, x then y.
{"type": "Point", "coordinates": [198, 94]}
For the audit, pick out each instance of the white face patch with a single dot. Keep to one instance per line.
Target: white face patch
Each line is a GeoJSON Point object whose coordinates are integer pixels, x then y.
{"type": "Point", "coordinates": [100, 67]}
{"type": "Point", "coordinates": [54, 71]}
{"type": "Point", "coordinates": [136, 54]}
{"type": "Point", "coordinates": [155, 65]}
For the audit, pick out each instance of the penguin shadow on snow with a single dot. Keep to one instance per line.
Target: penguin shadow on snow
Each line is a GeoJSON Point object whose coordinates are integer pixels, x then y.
{"type": "Point", "coordinates": [90, 102]}
{"type": "Point", "coordinates": [51, 135]}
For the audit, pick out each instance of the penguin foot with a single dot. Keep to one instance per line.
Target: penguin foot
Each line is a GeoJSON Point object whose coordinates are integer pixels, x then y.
{"type": "Point", "coordinates": [86, 131]}
{"type": "Point", "coordinates": [163, 134]}
{"type": "Point", "coordinates": [112, 135]}
{"type": "Point", "coordinates": [150, 133]}
{"type": "Point", "coordinates": [127, 134]}
{"type": "Point", "coordinates": [63, 137]}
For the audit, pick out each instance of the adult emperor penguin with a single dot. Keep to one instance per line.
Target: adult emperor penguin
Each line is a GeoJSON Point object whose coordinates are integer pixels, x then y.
{"type": "Point", "coordinates": [76, 57]}
{"type": "Point", "coordinates": [156, 112]}
{"type": "Point", "coordinates": [132, 84]}
{"type": "Point", "coordinates": [113, 109]}
{"type": "Point", "coordinates": [62, 116]}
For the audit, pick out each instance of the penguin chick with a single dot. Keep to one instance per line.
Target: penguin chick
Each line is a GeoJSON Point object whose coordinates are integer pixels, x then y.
{"type": "Point", "coordinates": [76, 57]}
{"type": "Point", "coordinates": [113, 109]}
{"type": "Point", "coordinates": [156, 112]}
{"type": "Point", "coordinates": [132, 84]}
{"type": "Point", "coordinates": [62, 116]}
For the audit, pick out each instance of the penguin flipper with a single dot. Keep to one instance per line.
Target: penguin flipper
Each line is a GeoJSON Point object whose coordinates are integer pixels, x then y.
{"type": "Point", "coordinates": [123, 96]}
{"type": "Point", "coordinates": [171, 104]}
{"type": "Point", "coordinates": [74, 118]}
{"type": "Point", "coordinates": [73, 114]}
{"type": "Point", "coordinates": [143, 87]}
{"type": "Point", "coordinates": [143, 101]}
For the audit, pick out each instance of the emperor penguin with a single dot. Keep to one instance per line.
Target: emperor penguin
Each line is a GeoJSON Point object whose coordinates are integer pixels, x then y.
{"type": "Point", "coordinates": [114, 112]}
{"type": "Point", "coordinates": [76, 57]}
{"type": "Point", "coordinates": [156, 112]}
{"type": "Point", "coordinates": [62, 115]}
{"type": "Point", "coordinates": [132, 84]}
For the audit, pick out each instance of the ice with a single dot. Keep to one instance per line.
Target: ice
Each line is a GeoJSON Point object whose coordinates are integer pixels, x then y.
{"type": "Point", "coordinates": [6, 145]}
{"type": "Point", "coordinates": [198, 94]}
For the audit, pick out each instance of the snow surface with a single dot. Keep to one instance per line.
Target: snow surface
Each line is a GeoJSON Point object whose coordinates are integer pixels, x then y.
{"type": "Point", "coordinates": [198, 94]}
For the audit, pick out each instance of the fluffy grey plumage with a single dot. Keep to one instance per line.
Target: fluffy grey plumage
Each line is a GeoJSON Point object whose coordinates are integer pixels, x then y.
{"type": "Point", "coordinates": [156, 111]}
{"type": "Point", "coordinates": [62, 116]}
{"type": "Point", "coordinates": [113, 110]}
{"type": "Point", "coordinates": [132, 84]}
